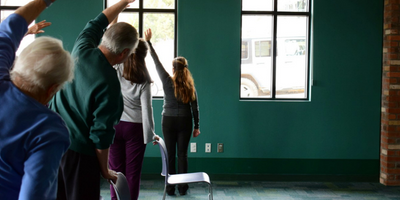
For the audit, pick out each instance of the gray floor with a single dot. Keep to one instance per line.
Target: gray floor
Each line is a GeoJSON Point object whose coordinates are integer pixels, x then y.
{"type": "Point", "coordinates": [255, 190]}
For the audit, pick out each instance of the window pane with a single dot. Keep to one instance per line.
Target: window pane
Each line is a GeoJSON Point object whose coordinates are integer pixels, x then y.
{"type": "Point", "coordinates": [26, 40]}
{"type": "Point", "coordinates": [14, 2]}
{"type": "Point", "coordinates": [293, 5]}
{"type": "Point", "coordinates": [255, 81]}
{"type": "Point", "coordinates": [291, 67]}
{"type": "Point", "coordinates": [132, 5]}
{"type": "Point", "coordinates": [166, 4]}
{"type": "Point", "coordinates": [257, 5]}
{"type": "Point", "coordinates": [130, 18]}
{"type": "Point", "coordinates": [245, 50]}
{"type": "Point", "coordinates": [162, 26]}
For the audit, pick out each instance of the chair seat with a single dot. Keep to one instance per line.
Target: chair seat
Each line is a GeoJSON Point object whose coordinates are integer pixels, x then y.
{"type": "Point", "coordinates": [174, 179]}
{"type": "Point", "coordinates": [188, 178]}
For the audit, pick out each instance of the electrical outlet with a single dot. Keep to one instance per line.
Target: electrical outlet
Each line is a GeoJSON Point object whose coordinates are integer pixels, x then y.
{"type": "Point", "coordinates": [220, 147]}
{"type": "Point", "coordinates": [193, 147]}
{"type": "Point", "coordinates": [208, 147]}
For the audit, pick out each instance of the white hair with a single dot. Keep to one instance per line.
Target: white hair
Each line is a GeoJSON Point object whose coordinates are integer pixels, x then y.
{"type": "Point", "coordinates": [42, 64]}
{"type": "Point", "coordinates": [120, 36]}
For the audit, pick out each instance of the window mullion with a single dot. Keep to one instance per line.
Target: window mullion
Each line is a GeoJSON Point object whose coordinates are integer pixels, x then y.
{"type": "Point", "coordinates": [274, 34]}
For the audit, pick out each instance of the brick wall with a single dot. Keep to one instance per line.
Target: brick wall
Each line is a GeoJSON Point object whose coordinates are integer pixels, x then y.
{"type": "Point", "coordinates": [390, 121]}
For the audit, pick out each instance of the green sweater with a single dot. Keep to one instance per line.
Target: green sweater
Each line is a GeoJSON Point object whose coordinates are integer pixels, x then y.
{"type": "Point", "coordinates": [92, 104]}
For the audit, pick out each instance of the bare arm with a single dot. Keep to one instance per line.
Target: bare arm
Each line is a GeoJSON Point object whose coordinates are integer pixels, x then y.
{"type": "Point", "coordinates": [31, 10]}
{"type": "Point", "coordinates": [112, 12]}
{"type": "Point", "coordinates": [102, 155]}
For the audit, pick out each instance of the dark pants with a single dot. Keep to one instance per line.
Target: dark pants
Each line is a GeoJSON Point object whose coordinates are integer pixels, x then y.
{"type": "Point", "coordinates": [126, 155]}
{"type": "Point", "coordinates": [177, 132]}
{"type": "Point", "coordinates": [78, 177]}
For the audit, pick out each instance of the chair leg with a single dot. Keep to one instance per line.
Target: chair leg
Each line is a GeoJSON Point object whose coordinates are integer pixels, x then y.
{"type": "Point", "coordinates": [210, 195]}
{"type": "Point", "coordinates": [165, 191]}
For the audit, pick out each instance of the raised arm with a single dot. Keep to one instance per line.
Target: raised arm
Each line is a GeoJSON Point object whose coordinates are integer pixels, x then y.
{"type": "Point", "coordinates": [14, 28]}
{"type": "Point", "coordinates": [32, 10]}
{"type": "Point", "coordinates": [162, 73]}
{"type": "Point", "coordinates": [112, 12]}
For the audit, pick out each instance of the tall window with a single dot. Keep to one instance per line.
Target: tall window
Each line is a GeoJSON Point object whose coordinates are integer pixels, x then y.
{"type": "Point", "coordinates": [7, 7]}
{"type": "Point", "coordinates": [160, 16]}
{"type": "Point", "coordinates": [275, 49]}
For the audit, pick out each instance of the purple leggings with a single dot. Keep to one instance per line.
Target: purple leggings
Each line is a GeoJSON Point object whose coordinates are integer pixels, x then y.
{"type": "Point", "coordinates": [126, 155]}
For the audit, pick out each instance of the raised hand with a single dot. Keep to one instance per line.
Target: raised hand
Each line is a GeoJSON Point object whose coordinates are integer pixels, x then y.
{"type": "Point", "coordinates": [37, 28]}
{"type": "Point", "coordinates": [147, 35]}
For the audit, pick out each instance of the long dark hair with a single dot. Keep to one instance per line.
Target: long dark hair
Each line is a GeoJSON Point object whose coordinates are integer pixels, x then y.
{"type": "Point", "coordinates": [183, 81]}
{"type": "Point", "coordinates": [135, 69]}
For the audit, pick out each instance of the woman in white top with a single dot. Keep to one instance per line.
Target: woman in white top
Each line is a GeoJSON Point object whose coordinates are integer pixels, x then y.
{"type": "Point", "coordinates": [136, 127]}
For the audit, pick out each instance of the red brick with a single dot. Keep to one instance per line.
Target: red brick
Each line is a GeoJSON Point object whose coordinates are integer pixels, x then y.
{"type": "Point", "coordinates": [393, 56]}
{"type": "Point", "coordinates": [393, 50]}
{"type": "Point", "coordinates": [392, 153]}
{"type": "Point", "coordinates": [393, 159]}
{"type": "Point", "coordinates": [392, 134]}
{"type": "Point", "coordinates": [395, 98]}
{"type": "Point", "coordinates": [393, 110]}
{"type": "Point", "coordinates": [386, 165]}
{"type": "Point", "coordinates": [393, 37]}
{"type": "Point", "coordinates": [393, 171]}
{"type": "Point", "coordinates": [388, 140]}
{"type": "Point", "coordinates": [391, 182]}
{"type": "Point", "coordinates": [391, 177]}
{"type": "Point", "coordinates": [393, 74]}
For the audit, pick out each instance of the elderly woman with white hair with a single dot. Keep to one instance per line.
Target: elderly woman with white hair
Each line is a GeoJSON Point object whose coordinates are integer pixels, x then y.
{"type": "Point", "coordinates": [32, 137]}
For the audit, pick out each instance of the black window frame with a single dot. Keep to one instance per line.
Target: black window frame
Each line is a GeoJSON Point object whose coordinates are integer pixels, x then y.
{"type": "Point", "coordinates": [8, 8]}
{"type": "Point", "coordinates": [275, 14]}
{"type": "Point", "coordinates": [141, 11]}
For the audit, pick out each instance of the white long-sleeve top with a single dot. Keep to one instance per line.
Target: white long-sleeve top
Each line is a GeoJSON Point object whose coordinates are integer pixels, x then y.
{"type": "Point", "coordinates": [137, 104]}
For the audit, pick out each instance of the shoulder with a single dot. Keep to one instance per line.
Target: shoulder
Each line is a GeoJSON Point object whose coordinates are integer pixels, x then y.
{"type": "Point", "coordinates": [49, 129]}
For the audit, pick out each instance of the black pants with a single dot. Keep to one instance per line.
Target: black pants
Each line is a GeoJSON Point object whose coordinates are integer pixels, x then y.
{"type": "Point", "coordinates": [177, 132]}
{"type": "Point", "coordinates": [78, 177]}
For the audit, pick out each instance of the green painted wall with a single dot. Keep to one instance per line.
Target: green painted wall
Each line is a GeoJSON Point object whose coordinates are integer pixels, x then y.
{"type": "Point", "coordinates": [340, 123]}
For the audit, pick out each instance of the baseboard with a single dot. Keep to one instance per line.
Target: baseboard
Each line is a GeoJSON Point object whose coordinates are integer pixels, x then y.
{"type": "Point", "coordinates": [276, 169]}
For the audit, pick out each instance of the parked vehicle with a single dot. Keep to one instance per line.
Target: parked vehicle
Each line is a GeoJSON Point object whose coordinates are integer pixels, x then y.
{"type": "Point", "coordinates": [256, 66]}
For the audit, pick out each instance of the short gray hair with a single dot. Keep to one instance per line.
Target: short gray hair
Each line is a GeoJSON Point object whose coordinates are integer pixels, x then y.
{"type": "Point", "coordinates": [120, 36]}
{"type": "Point", "coordinates": [43, 64]}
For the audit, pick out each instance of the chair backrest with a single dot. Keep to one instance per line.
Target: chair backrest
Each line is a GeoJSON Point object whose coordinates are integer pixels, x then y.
{"type": "Point", "coordinates": [164, 157]}
{"type": "Point", "coordinates": [121, 187]}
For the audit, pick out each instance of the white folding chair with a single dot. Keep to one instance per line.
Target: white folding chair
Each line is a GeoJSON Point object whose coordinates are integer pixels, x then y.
{"type": "Point", "coordinates": [173, 179]}
{"type": "Point", "coordinates": [121, 187]}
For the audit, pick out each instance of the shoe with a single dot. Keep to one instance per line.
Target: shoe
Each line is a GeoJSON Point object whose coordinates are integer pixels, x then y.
{"type": "Point", "coordinates": [183, 189]}
{"type": "Point", "coordinates": [171, 190]}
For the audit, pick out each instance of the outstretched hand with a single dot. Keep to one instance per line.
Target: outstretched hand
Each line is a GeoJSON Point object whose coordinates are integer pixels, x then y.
{"type": "Point", "coordinates": [147, 34]}
{"type": "Point", "coordinates": [37, 28]}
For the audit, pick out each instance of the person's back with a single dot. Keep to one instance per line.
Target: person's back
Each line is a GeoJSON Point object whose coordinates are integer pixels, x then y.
{"type": "Point", "coordinates": [32, 137]}
{"type": "Point", "coordinates": [180, 108]}
{"type": "Point", "coordinates": [92, 104]}
{"type": "Point", "coordinates": [93, 96]}
{"type": "Point", "coordinates": [136, 127]}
